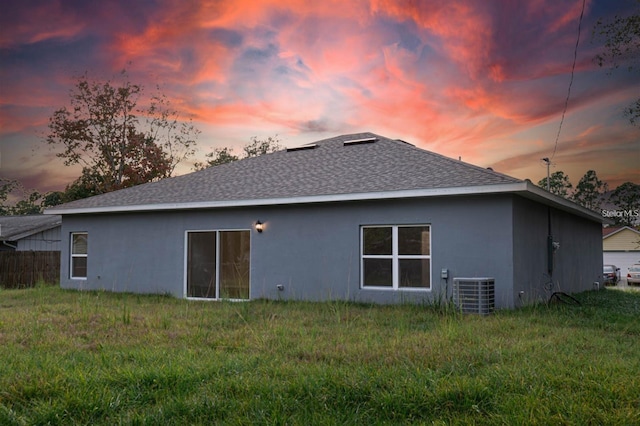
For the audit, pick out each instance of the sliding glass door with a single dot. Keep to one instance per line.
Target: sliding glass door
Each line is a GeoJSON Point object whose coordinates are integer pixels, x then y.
{"type": "Point", "coordinates": [234, 265]}
{"type": "Point", "coordinates": [218, 264]}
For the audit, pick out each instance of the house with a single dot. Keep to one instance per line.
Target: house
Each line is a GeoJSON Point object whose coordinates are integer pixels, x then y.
{"type": "Point", "coordinates": [29, 250]}
{"type": "Point", "coordinates": [30, 233]}
{"type": "Point", "coordinates": [620, 247]}
{"type": "Point", "coordinates": [358, 217]}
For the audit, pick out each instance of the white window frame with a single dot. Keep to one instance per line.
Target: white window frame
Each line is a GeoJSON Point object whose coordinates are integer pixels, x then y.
{"type": "Point", "coordinates": [186, 263]}
{"type": "Point", "coordinates": [395, 259]}
{"type": "Point", "coordinates": [73, 256]}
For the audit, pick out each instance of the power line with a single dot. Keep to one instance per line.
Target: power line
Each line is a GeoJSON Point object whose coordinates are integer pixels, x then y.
{"type": "Point", "coordinates": [573, 68]}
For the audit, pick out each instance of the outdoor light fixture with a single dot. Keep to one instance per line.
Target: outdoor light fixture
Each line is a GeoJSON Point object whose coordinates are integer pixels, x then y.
{"type": "Point", "coordinates": [259, 226]}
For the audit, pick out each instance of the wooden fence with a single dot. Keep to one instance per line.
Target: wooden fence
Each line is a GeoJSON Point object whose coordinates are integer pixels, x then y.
{"type": "Point", "coordinates": [20, 269]}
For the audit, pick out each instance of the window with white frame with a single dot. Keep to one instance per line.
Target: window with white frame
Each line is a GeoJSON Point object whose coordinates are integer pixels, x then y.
{"type": "Point", "coordinates": [396, 257]}
{"type": "Point", "coordinates": [79, 250]}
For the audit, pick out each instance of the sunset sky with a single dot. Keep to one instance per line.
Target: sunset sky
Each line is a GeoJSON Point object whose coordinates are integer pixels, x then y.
{"type": "Point", "coordinates": [481, 80]}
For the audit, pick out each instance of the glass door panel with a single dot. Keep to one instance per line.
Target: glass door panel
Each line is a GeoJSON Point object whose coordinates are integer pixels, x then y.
{"type": "Point", "coordinates": [201, 265]}
{"type": "Point", "coordinates": [234, 264]}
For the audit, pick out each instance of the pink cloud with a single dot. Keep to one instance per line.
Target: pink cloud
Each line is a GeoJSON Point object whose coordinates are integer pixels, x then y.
{"type": "Point", "coordinates": [464, 78]}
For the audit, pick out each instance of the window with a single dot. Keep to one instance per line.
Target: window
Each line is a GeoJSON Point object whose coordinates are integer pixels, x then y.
{"type": "Point", "coordinates": [396, 257]}
{"type": "Point", "coordinates": [79, 249]}
{"type": "Point", "coordinates": [218, 264]}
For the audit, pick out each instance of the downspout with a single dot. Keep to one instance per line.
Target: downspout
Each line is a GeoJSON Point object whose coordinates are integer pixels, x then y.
{"type": "Point", "coordinates": [549, 244]}
{"type": "Point", "coordinates": [9, 245]}
{"type": "Point", "coordinates": [549, 236]}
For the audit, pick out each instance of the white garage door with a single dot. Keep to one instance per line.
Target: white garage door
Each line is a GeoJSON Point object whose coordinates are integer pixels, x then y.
{"type": "Point", "coordinates": [622, 259]}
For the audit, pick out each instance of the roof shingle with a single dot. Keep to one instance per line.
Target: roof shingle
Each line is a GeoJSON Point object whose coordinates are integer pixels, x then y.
{"type": "Point", "coordinates": [330, 168]}
{"type": "Point", "coordinates": [13, 228]}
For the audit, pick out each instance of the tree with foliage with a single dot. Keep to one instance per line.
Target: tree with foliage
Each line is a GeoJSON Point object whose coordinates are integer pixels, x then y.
{"type": "Point", "coordinates": [254, 148]}
{"type": "Point", "coordinates": [632, 111]}
{"type": "Point", "coordinates": [259, 147]}
{"type": "Point", "coordinates": [120, 138]}
{"type": "Point", "coordinates": [53, 198]}
{"type": "Point", "coordinates": [626, 198]}
{"type": "Point", "coordinates": [28, 202]}
{"type": "Point", "coordinates": [6, 188]}
{"type": "Point", "coordinates": [87, 185]}
{"type": "Point", "coordinates": [558, 184]}
{"type": "Point", "coordinates": [621, 46]}
{"type": "Point", "coordinates": [31, 204]}
{"type": "Point", "coordinates": [217, 157]}
{"type": "Point", "coordinates": [590, 191]}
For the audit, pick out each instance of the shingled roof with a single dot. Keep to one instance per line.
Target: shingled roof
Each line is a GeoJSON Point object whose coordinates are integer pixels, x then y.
{"type": "Point", "coordinates": [348, 167]}
{"type": "Point", "coordinates": [13, 228]}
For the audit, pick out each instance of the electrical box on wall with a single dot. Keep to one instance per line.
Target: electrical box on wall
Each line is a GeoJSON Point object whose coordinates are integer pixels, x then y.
{"type": "Point", "coordinates": [444, 274]}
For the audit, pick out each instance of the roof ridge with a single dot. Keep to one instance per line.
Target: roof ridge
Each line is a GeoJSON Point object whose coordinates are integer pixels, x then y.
{"type": "Point", "coordinates": [346, 137]}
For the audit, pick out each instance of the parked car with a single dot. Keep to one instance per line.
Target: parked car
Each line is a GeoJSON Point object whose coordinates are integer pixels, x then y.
{"type": "Point", "coordinates": [611, 274]}
{"type": "Point", "coordinates": [633, 277]}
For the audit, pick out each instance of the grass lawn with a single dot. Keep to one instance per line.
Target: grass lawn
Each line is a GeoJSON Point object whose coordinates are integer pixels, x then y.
{"type": "Point", "coordinates": [71, 357]}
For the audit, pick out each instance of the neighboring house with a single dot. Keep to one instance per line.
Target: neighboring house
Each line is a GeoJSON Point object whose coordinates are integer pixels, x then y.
{"type": "Point", "coordinates": [30, 233]}
{"type": "Point", "coordinates": [29, 250]}
{"type": "Point", "coordinates": [357, 217]}
{"type": "Point", "coordinates": [620, 247]}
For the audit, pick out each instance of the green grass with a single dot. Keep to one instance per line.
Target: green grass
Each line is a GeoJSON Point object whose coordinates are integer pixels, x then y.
{"type": "Point", "coordinates": [99, 358]}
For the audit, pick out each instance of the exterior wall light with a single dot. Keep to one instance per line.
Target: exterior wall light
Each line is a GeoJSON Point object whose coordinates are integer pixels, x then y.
{"type": "Point", "coordinates": [259, 226]}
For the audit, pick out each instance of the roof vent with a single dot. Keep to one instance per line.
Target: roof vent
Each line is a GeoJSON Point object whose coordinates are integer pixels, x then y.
{"type": "Point", "coordinates": [359, 141]}
{"type": "Point", "coordinates": [302, 148]}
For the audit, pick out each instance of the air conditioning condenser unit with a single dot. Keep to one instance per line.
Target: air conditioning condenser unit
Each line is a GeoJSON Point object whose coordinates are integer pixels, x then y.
{"type": "Point", "coordinates": [474, 295]}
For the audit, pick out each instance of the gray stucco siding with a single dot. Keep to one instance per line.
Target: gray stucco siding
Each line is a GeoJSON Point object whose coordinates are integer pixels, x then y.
{"type": "Point", "coordinates": [578, 261]}
{"type": "Point", "coordinates": [577, 264]}
{"type": "Point", "coordinates": [141, 252]}
{"type": "Point", "coordinates": [474, 237]}
{"type": "Point", "coordinates": [530, 232]}
{"type": "Point", "coordinates": [313, 251]}
{"type": "Point", "coordinates": [126, 253]}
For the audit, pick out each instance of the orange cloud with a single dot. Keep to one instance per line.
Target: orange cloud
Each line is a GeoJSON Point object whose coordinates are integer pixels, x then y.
{"type": "Point", "coordinates": [482, 80]}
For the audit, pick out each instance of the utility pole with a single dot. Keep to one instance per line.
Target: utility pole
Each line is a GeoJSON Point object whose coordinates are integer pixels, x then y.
{"type": "Point", "coordinates": [549, 236]}
{"type": "Point", "coordinates": [548, 163]}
